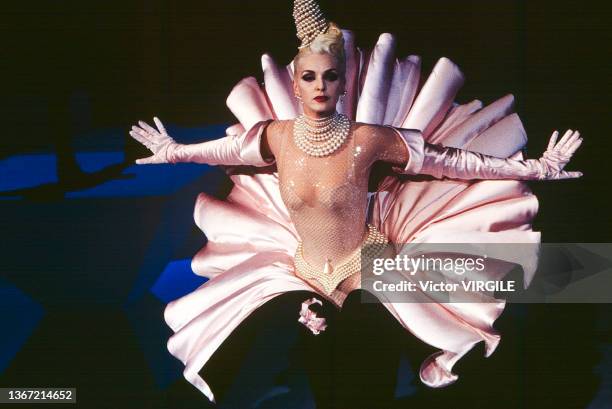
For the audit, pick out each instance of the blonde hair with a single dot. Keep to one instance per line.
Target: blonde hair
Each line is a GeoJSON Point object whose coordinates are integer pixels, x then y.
{"type": "Point", "coordinates": [330, 42]}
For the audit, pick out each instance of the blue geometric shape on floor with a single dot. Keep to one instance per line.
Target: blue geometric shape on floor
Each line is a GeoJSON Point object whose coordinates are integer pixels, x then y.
{"type": "Point", "coordinates": [96, 161]}
{"type": "Point", "coordinates": [273, 393]}
{"type": "Point", "coordinates": [146, 319]}
{"type": "Point", "coordinates": [295, 394]}
{"type": "Point", "coordinates": [176, 280]}
{"type": "Point", "coordinates": [603, 398]}
{"type": "Point", "coordinates": [145, 180]}
{"type": "Point", "coordinates": [99, 149]}
{"type": "Point", "coordinates": [19, 316]}
{"type": "Point", "coordinates": [405, 379]}
{"type": "Point", "coordinates": [25, 171]}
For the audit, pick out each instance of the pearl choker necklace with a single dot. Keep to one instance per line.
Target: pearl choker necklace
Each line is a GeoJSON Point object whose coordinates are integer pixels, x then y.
{"type": "Point", "coordinates": [321, 137]}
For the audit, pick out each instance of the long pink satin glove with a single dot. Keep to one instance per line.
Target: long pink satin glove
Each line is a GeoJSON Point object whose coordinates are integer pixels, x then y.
{"type": "Point", "coordinates": [443, 161]}
{"type": "Point", "coordinates": [244, 149]}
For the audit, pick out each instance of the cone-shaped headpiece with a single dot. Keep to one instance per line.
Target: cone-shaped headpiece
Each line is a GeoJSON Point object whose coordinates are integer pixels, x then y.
{"type": "Point", "coordinates": [309, 21]}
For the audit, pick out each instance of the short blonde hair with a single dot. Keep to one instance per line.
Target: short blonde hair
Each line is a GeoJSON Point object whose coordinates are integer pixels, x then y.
{"type": "Point", "coordinates": [331, 42]}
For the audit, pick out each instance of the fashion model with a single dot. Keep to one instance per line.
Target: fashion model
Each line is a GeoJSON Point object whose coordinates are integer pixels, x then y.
{"type": "Point", "coordinates": [290, 234]}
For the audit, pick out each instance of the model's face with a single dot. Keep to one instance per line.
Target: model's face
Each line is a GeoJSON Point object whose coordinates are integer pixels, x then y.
{"type": "Point", "coordinates": [319, 82]}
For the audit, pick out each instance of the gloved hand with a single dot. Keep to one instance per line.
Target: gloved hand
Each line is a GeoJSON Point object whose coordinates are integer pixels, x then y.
{"type": "Point", "coordinates": [241, 149]}
{"type": "Point", "coordinates": [156, 140]}
{"type": "Point", "coordinates": [442, 161]}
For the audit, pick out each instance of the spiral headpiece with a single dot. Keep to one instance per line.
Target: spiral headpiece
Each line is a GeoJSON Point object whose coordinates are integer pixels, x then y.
{"type": "Point", "coordinates": [309, 21]}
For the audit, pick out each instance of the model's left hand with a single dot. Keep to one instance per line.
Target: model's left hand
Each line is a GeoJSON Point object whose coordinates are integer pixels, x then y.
{"type": "Point", "coordinates": [558, 154]}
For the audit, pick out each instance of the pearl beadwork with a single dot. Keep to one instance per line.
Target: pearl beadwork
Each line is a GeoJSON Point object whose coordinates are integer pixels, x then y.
{"type": "Point", "coordinates": [321, 137]}
{"type": "Point", "coordinates": [373, 246]}
{"type": "Point", "coordinates": [309, 21]}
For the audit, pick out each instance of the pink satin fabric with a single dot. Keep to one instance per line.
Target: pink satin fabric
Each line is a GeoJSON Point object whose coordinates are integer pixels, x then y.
{"type": "Point", "coordinates": [249, 256]}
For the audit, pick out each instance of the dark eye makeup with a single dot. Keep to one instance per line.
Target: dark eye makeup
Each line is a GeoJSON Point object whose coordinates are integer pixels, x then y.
{"type": "Point", "coordinates": [329, 75]}
{"type": "Point", "coordinates": [308, 77]}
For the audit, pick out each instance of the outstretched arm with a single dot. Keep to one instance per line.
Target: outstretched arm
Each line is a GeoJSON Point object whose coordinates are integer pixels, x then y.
{"type": "Point", "coordinates": [243, 149]}
{"type": "Point", "coordinates": [442, 161]}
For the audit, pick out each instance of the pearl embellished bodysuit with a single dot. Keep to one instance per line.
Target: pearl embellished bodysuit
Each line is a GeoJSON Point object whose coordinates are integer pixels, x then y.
{"type": "Point", "coordinates": [327, 198]}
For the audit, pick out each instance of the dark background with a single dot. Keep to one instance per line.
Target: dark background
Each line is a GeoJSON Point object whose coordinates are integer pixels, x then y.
{"type": "Point", "coordinates": [72, 67]}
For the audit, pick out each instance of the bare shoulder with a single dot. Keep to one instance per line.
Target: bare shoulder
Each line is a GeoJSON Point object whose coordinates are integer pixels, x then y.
{"type": "Point", "coordinates": [278, 128]}
{"type": "Point", "coordinates": [275, 131]}
{"type": "Point", "coordinates": [370, 134]}
{"type": "Point", "coordinates": [383, 142]}
{"type": "Point", "coordinates": [279, 125]}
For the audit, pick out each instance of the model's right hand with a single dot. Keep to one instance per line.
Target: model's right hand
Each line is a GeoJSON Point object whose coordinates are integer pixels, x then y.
{"type": "Point", "coordinates": [156, 140]}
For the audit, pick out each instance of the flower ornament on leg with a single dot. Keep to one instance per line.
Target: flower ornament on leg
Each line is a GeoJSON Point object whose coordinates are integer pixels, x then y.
{"type": "Point", "coordinates": [309, 318]}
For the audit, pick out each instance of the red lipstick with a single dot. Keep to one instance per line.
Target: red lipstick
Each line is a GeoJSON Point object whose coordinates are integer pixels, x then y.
{"type": "Point", "coordinates": [321, 98]}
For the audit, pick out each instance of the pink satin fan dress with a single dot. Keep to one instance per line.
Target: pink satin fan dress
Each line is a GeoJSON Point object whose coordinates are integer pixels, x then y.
{"type": "Point", "coordinates": [251, 238]}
